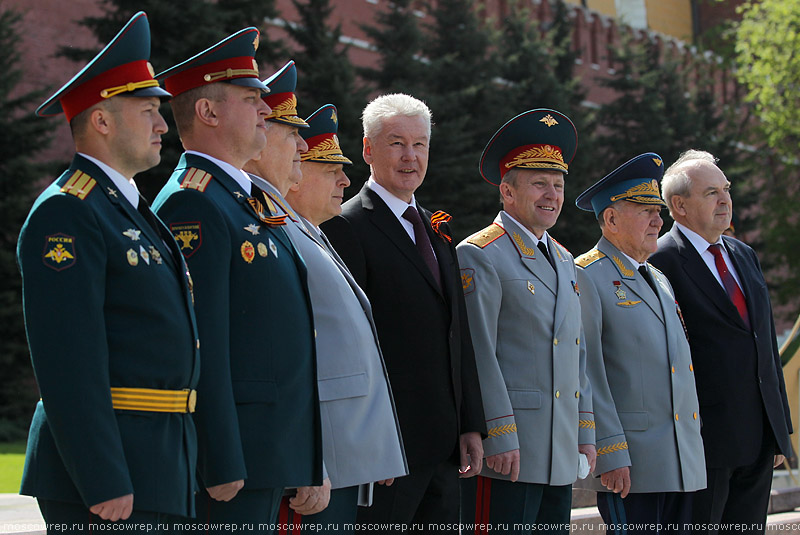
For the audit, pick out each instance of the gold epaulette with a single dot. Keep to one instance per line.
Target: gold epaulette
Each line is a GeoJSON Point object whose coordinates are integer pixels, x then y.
{"type": "Point", "coordinates": [196, 179]}
{"type": "Point", "coordinates": [589, 258]}
{"type": "Point", "coordinates": [484, 237]}
{"type": "Point", "coordinates": [79, 184]}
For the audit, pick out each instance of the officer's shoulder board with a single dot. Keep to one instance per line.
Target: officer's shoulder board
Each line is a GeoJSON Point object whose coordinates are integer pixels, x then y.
{"type": "Point", "coordinates": [589, 258]}
{"type": "Point", "coordinates": [484, 237]}
{"type": "Point", "coordinates": [195, 178]}
{"type": "Point", "coordinates": [654, 268]}
{"type": "Point", "coordinates": [79, 184]}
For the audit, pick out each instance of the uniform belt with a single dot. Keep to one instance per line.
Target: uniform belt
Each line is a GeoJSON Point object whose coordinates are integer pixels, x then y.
{"type": "Point", "coordinates": [150, 399]}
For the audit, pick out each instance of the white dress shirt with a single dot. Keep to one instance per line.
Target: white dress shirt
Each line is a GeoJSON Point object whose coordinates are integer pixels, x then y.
{"type": "Point", "coordinates": [701, 244]}
{"type": "Point", "coordinates": [125, 186]}
{"type": "Point", "coordinates": [238, 175]}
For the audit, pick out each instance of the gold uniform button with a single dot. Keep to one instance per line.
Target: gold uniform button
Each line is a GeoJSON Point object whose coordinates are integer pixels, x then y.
{"type": "Point", "coordinates": [695, 415]}
{"type": "Point", "coordinates": [577, 395]}
{"type": "Point", "coordinates": [198, 344]}
{"type": "Point", "coordinates": [673, 369]}
{"type": "Point", "coordinates": [578, 341]}
{"type": "Point", "coordinates": [315, 333]}
{"type": "Point", "coordinates": [558, 394]}
{"type": "Point", "coordinates": [676, 416]}
{"type": "Point", "coordinates": [555, 341]}
{"type": "Point", "coordinates": [691, 367]}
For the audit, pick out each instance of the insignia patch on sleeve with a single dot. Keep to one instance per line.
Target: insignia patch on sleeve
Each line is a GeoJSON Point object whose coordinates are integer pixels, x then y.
{"type": "Point", "coordinates": [468, 280]}
{"type": "Point", "coordinates": [189, 236]}
{"type": "Point", "coordinates": [59, 251]}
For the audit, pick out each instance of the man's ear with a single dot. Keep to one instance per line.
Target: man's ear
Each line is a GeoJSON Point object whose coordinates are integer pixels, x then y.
{"type": "Point", "coordinates": [367, 151]}
{"type": "Point", "coordinates": [678, 205]}
{"type": "Point", "coordinates": [101, 120]}
{"type": "Point", "coordinates": [205, 111]}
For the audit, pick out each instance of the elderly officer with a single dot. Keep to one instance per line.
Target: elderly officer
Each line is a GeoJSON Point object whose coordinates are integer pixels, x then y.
{"type": "Point", "coordinates": [525, 319]}
{"type": "Point", "coordinates": [649, 450]}
{"type": "Point", "coordinates": [252, 305]}
{"type": "Point", "coordinates": [361, 434]}
{"type": "Point", "coordinates": [719, 283]}
{"type": "Point", "coordinates": [111, 439]}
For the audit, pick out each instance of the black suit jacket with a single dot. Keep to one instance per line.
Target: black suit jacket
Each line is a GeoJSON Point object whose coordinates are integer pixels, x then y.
{"type": "Point", "coordinates": [738, 370]}
{"type": "Point", "coordinates": [423, 330]}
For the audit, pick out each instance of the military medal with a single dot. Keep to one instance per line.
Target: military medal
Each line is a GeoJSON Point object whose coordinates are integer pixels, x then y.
{"type": "Point", "coordinates": [133, 258]}
{"type": "Point", "coordinates": [144, 254]}
{"type": "Point", "coordinates": [252, 228]}
{"type": "Point", "coordinates": [621, 295]}
{"type": "Point", "coordinates": [273, 248]}
{"type": "Point", "coordinates": [262, 249]}
{"type": "Point", "coordinates": [575, 287]}
{"type": "Point", "coordinates": [530, 287]}
{"type": "Point", "coordinates": [133, 234]}
{"type": "Point", "coordinates": [155, 255]}
{"type": "Point", "coordinates": [248, 253]}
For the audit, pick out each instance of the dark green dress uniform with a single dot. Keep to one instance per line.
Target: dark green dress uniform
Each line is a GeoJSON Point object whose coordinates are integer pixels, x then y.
{"type": "Point", "coordinates": [109, 318]}
{"type": "Point", "coordinates": [260, 418]}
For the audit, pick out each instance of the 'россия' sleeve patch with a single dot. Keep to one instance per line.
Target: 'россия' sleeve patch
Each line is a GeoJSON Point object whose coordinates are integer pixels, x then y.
{"type": "Point", "coordinates": [59, 251]}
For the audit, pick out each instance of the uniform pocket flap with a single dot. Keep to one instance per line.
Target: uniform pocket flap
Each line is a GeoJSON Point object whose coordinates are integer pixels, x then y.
{"type": "Point", "coordinates": [254, 391]}
{"type": "Point", "coordinates": [525, 399]}
{"type": "Point", "coordinates": [633, 421]}
{"type": "Point", "coordinates": [348, 386]}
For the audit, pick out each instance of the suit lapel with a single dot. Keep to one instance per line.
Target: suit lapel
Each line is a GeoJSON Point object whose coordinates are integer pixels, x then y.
{"type": "Point", "coordinates": [631, 278]}
{"type": "Point", "coordinates": [387, 223]}
{"type": "Point", "coordinates": [537, 264]}
{"type": "Point", "coordinates": [697, 270]}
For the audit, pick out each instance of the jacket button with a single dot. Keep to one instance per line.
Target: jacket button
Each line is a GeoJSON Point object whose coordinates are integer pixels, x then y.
{"type": "Point", "coordinates": [555, 341]}
{"type": "Point", "coordinates": [577, 395]}
{"type": "Point", "coordinates": [578, 341]}
{"type": "Point", "coordinates": [676, 416]}
{"type": "Point", "coordinates": [691, 367]}
{"type": "Point", "coordinates": [198, 343]}
{"type": "Point", "coordinates": [673, 369]}
{"type": "Point", "coordinates": [694, 415]}
{"type": "Point", "coordinates": [558, 394]}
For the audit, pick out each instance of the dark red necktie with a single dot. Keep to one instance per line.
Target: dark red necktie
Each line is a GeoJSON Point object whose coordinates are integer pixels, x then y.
{"type": "Point", "coordinates": [733, 290]}
{"type": "Point", "coordinates": [423, 242]}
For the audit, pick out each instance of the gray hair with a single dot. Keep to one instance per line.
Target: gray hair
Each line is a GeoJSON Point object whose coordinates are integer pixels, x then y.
{"type": "Point", "coordinates": [676, 179]}
{"type": "Point", "coordinates": [392, 105]}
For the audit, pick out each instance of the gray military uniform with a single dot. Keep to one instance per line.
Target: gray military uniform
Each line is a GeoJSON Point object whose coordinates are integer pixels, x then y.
{"type": "Point", "coordinates": [361, 437]}
{"type": "Point", "coordinates": [643, 386]}
{"type": "Point", "coordinates": [525, 321]}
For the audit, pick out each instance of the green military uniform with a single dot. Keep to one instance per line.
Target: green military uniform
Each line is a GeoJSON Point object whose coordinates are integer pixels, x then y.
{"type": "Point", "coordinates": [108, 311]}
{"type": "Point", "coordinates": [260, 418]}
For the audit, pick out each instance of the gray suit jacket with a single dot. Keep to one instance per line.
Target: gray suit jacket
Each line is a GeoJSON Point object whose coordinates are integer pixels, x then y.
{"type": "Point", "coordinates": [525, 321]}
{"type": "Point", "coordinates": [361, 438]}
{"type": "Point", "coordinates": [642, 376]}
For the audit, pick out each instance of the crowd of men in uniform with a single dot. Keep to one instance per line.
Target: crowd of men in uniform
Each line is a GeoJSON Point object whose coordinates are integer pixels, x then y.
{"type": "Point", "coordinates": [249, 354]}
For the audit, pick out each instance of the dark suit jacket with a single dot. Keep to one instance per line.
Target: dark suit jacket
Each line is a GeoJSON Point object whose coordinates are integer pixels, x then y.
{"type": "Point", "coordinates": [113, 309]}
{"type": "Point", "coordinates": [738, 371]}
{"type": "Point", "coordinates": [258, 415]}
{"type": "Point", "coordinates": [423, 331]}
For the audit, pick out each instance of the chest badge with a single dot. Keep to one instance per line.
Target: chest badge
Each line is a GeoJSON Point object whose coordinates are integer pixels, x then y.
{"type": "Point", "coordinates": [155, 255]}
{"type": "Point", "coordinates": [252, 228]}
{"type": "Point", "coordinates": [262, 249]}
{"type": "Point", "coordinates": [133, 234]}
{"type": "Point", "coordinates": [273, 248]}
{"type": "Point", "coordinates": [133, 258]}
{"type": "Point", "coordinates": [248, 252]}
{"type": "Point", "coordinates": [531, 289]}
{"type": "Point", "coordinates": [621, 295]}
{"type": "Point", "coordinates": [144, 254]}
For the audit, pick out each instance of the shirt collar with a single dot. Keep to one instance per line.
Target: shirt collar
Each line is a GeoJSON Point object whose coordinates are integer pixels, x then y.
{"type": "Point", "coordinates": [236, 174]}
{"type": "Point", "coordinates": [396, 205]}
{"type": "Point", "coordinates": [125, 186]}
{"type": "Point", "coordinates": [530, 234]}
{"type": "Point", "coordinates": [699, 242]}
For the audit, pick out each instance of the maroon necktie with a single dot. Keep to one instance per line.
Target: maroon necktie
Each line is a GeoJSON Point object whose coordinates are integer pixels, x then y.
{"type": "Point", "coordinates": [423, 243]}
{"type": "Point", "coordinates": [733, 290]}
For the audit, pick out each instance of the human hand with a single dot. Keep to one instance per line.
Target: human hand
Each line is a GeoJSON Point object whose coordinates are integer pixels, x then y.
{"type": "Point", "coordinates": [115, 509]}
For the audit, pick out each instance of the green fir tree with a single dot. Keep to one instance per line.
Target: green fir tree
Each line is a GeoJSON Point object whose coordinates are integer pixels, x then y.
{"type": "Point", "coordinates": [326, 76]}
{"type": "Point", "coordinates": [22, 136]}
